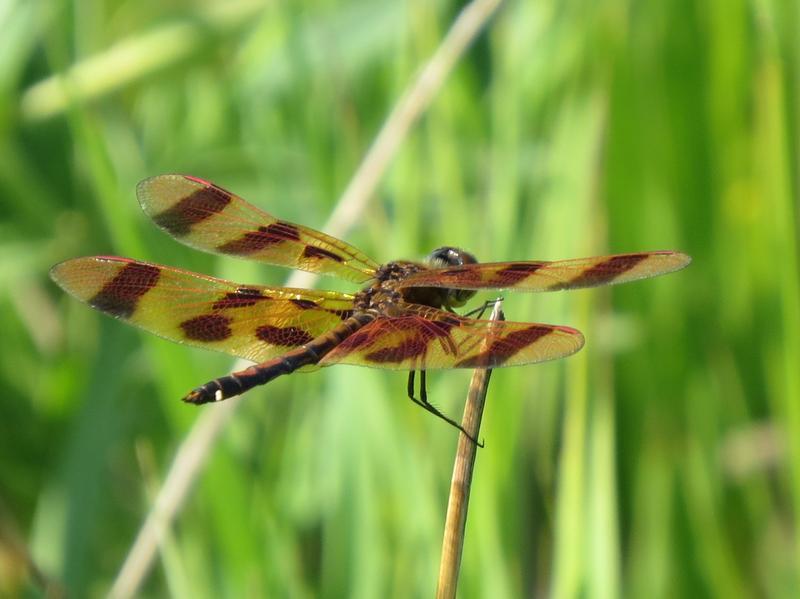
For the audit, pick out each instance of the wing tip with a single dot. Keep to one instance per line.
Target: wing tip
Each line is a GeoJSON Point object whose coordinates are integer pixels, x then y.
{"type": "Point", "coordinates": [63, 273]}
{"type": "Point", "coordinates": [673, 261]}
{"type": "Point", "coordinates": [578, 337]}
{"type": "Point", "coordinates": [678, 260]}
{"type": "Point", "coordinates": [685, 259]}
{"type": "Point", "coordinates": [58, 270]}
{"type": "Point", "coordinates": [144, 188]}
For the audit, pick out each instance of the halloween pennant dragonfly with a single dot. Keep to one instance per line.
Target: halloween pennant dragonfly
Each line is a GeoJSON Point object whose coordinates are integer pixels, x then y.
{"type": "Point", "coordinates": [402, 319]}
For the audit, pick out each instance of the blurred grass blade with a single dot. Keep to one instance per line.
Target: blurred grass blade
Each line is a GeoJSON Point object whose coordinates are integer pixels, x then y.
{"type": "Point", "coordinates": [133, 59]}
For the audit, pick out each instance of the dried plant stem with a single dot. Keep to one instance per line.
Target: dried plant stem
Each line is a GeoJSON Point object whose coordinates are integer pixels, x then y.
{"type": "Point", "coordinates": [186, 466]}
{"type": "Point", "coordinates": [458, 502]}
{"type": "Point", "coordinates": [414, 101]}
{"type": "Point", "coordinates": [191, 455]}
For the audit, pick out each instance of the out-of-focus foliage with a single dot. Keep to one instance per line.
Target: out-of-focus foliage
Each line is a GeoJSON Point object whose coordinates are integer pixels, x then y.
{"type": "Point", "coordinates": [663, 460]}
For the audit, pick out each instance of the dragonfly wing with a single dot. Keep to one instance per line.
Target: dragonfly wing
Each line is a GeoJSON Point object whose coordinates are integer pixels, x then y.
{"type": "Point", "coordinates": [423, 338]}
{"type": "Point", "coordinates": [249, 321]}
{"type": "Point", "coordinates": [205, 216]}
{"type": "Point", "coordinates": [551, 276]}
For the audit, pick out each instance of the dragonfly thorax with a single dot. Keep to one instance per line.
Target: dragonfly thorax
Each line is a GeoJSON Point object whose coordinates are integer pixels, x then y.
{"type": "Point", "coordinates": [384, 291]}
{"type": "Point", "coordinates": [388, 286]}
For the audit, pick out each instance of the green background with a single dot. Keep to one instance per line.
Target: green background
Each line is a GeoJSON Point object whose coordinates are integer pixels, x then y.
{"type": "Point", "coordinates": [663, 460]}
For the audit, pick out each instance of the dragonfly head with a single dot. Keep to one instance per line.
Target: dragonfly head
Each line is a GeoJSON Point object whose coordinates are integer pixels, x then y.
{"type": "Point", "coordinates": [449, 256]}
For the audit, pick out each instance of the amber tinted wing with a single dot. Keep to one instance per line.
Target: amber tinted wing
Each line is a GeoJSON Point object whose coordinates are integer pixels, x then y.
{"type": "Point", "coordinates": [423, 338]}
{"type": "Point", "coordinates": [252, 322]}
{"type": "Point", "coordinates": [551, 276]}
{"type": "Point", "coordinates": [207, 217]}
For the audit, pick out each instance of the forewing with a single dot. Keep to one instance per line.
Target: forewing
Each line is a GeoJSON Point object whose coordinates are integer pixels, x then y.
{"type": "Point", "coordinates": [425, 338]}
{"type": "Point", "coordinates": [205, 216]}
{"type": "Point", "coordinates": [249, 321]}
{"type": "Point", "coordinates": [551, 276]}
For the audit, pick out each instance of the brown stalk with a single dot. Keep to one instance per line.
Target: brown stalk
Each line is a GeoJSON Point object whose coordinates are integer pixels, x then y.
{"type": "Point", "coordinates": [458, 502]}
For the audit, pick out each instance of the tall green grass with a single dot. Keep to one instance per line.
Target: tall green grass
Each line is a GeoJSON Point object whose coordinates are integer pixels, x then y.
{"type": "Point", "coordinates": [663, 460]}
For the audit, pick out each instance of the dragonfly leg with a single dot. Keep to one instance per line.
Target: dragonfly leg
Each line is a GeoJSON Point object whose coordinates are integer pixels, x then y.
{"type": "Point", "coordinates": [482, 309]}
{"type": "Point", "coordinates": [411, 389]}
{"type": "Point", "coordinates": [425, 404]}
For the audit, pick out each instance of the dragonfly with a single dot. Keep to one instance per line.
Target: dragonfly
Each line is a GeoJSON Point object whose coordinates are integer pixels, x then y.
{"type": "Point", "coordinates": [403, 318]}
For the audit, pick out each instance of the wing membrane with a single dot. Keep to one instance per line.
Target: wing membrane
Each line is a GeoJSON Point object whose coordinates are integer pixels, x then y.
{"type": "Point", "coordinates": [423, 338]}
{"type": "Point", "coordinates": [254, 322]}
{"type": "Point", "coordinates": [205, 216]}
{"type": "Point", "coordinates": [551, 276]}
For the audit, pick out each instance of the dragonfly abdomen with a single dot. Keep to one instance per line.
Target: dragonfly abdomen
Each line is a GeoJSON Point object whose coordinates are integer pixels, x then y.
{"type": "Point", "coordinates": [259, 374]}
